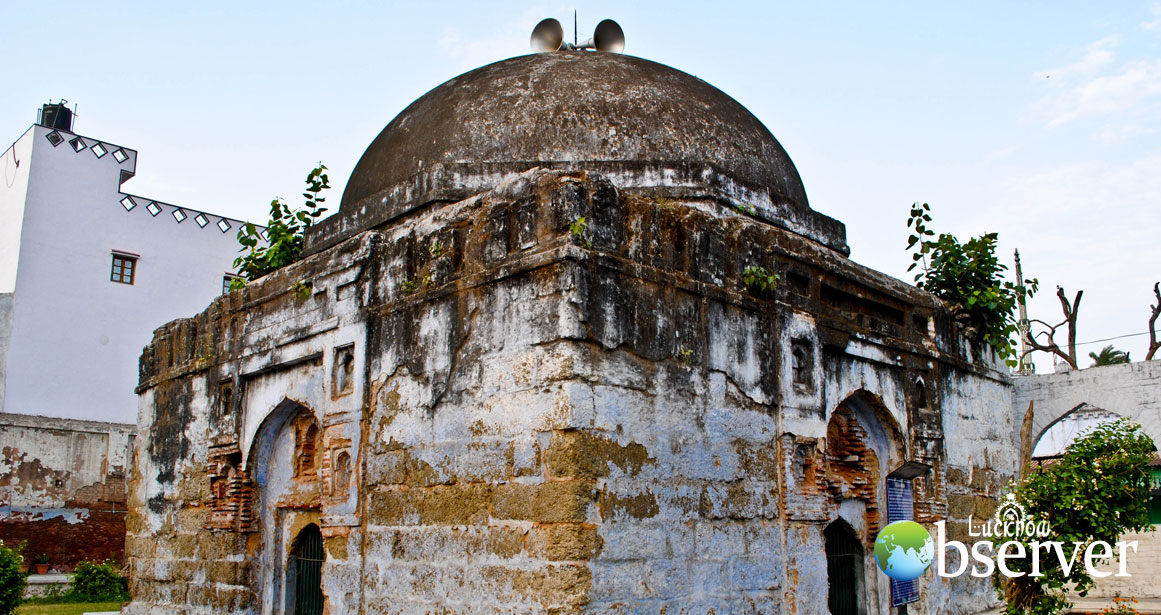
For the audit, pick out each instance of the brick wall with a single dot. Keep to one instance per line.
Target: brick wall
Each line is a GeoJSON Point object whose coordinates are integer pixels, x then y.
{"type": "Point", "coordinates": [63, 488]}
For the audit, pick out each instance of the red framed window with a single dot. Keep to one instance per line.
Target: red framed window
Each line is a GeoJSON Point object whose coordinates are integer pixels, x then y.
{"type": "Point", "coordinates": [124, 268]}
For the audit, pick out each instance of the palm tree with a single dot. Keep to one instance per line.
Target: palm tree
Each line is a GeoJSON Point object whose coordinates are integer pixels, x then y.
{"type": "Point", "coordinates": [1109, 356]}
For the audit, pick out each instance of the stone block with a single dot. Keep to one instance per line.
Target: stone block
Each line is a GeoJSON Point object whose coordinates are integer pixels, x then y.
{"type": "Point", "coordinates": [756, 574]}
{"type": "Point", "coordinates": [627, 506]}
{"type": "Point", "coordinates": [587, 455]}
{"type": "Point", "coordinates": [718, 540]}
{"type": "Point", "coordinates": [739, 500]}
{"type": "Point", "coordinates": [551, 502]}
{"type": "Point", "coordinates": [456, 504]}
{"type": "Point", "coordinates": [571, 541]}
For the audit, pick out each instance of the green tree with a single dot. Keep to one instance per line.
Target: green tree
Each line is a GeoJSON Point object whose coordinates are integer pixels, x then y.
{"type": "Point", "coordinates": [1109, 356]}
{"type": "Point", "coordinates": [283, 242]}
{"type": "Point", "coordinates": [12, 580]}
{"type": "Point", "coordinates": [969, 277]}
{"type": "Point", "coordinates": [1096, 491]}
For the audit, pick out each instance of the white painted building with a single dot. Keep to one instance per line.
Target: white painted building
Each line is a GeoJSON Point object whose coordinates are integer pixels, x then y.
{"type": "Point", "coordinates": [88, 271]}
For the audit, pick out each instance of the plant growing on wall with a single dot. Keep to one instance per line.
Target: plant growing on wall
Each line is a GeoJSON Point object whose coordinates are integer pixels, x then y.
{"type": "Point", "coordinates": [1097, 490]}
{"type": "Point", "coordinates": [760, 279]}
{"type": "Point", "coordinates": [284, 232]}
{"type": "Point", "coordinates": [12, 580]}
{"type": "Point", "coordinates": [578, 228]}
{"type": "Point", "coordinates": [970, 278]}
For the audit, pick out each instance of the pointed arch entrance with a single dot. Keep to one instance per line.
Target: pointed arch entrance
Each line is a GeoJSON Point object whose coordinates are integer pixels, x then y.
{"type": "Point", "coordinates": [285, 460]}
{"type": "Point", "coordinates": [844, 568]}
{"type": "Point", "coordinates": [305, 570]}
{"type": "Point", "coordinates": [864, 445]}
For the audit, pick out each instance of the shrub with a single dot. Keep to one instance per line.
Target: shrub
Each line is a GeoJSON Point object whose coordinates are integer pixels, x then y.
{"type": "Point", "coordinates": [284, 230]}
{"type": "Point", "coordinates": [970, 278]}
{"type": "Point", "coordinates": [1097, 490]}
{"type": "Point", "coordinates": [12, 580]}
{"type": "Point", "coordinates": [98, 582]}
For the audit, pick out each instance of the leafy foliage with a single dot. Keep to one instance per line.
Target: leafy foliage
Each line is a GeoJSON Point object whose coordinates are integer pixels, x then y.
{"type": "Point", "coordinates": [759, 279]}
{"type": "Point", "coordinates": [301, 290]}
{"type": "Point", "coordinates": [94, 581]}
{"type": "Point", "coordinates": [1109, 356]}
{"type": "Point", "coordinates": [284, 231]}
{"type": "Point", "coordinates": [970, 278]}
{"type": "Point", "coordinates": [579, 229]}
{"type": "Point", "coordinates": [1097, 490]}
{"type": "Point", "coordinates": [12, 580]}
{"type": "Point", "coordinates": [746, 209]}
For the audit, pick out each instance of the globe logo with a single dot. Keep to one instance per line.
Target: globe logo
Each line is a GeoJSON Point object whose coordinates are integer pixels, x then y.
{"type": "Point", "coordinates": [904, 550]}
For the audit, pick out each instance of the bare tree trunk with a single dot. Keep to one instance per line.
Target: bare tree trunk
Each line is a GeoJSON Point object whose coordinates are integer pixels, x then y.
{"type": "Point", "coordinates": [1049, 344]}
{"type": "Point", "coordinates": [1154, 345]}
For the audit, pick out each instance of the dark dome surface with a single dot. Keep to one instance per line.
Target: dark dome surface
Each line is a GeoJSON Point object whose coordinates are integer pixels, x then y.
{"type": "Point", "coordinates": [568, 109]}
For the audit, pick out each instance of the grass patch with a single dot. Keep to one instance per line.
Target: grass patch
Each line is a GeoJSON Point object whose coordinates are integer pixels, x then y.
{"type": "Point", "coordinates": [75, 608]}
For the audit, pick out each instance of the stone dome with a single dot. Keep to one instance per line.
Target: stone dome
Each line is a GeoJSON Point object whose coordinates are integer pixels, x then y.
{"type": "Point", "coordinates": [574, 109]}
{"type": "Point", "coordinates": [649, 128]}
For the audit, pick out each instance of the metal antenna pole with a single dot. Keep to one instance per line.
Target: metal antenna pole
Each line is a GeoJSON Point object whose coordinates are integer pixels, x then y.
{"type": "Point", "coordinates": [574, 27]}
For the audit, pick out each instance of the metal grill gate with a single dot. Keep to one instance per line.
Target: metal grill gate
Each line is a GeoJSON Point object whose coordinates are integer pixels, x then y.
{"type": "Point", "coordinates": [308, 561]}
{"type": "Point", "coordinates": [842, 564]}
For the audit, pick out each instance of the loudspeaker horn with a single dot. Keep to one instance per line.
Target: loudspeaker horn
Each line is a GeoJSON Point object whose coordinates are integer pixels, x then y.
{"type": "Point", "coordinates": [548, 35]}
{"type": "Point", "coordinates": [609, 37]}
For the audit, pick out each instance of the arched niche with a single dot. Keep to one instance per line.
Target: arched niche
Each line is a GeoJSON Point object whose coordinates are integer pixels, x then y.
{"type": "Point", "coordinates": [260, 447]}
{"type": "Point", "coordinates": [881, 433]}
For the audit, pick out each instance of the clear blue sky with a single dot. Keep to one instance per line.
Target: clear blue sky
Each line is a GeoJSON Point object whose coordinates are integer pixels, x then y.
{"type": "Point", "coordinates": [1036, 120]}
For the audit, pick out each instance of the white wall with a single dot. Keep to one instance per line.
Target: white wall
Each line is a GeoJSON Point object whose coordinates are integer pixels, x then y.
{"type": "Point", "coordinates": [76, 336]}
{"type": "Point", "coordinates": [17, 160]}
{"type": "Point", "coordinates": [1130, 390]}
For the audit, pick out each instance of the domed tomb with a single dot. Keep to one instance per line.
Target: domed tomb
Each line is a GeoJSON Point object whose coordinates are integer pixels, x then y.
{"type": "Point", "coordinates": [648, 127]}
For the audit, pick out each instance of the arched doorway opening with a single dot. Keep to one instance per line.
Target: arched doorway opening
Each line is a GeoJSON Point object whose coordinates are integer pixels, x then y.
{"type": "Point", "coordinates": [1051, 451]}
{"type": "Point", "coordinates": [863, 444]}
{"type": "Point", "coordinates": [1050, 445]}
{"type": "Point", "coordinates": [864, 447]}
{"type": "Point", "coordinates": [844, 568]}
{"type": "Point", "coordinates": [304, 571]}
{"type": "Point", "coordinates": [285, 460]}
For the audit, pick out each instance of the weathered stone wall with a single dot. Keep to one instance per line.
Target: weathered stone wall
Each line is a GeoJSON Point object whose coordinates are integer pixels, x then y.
{"type": "Point", "coordinates": [1130, 390]}
{"type": "Point", "coordinates": [554, 415]}
{"type": "Point", "coordinates": [63, 487]}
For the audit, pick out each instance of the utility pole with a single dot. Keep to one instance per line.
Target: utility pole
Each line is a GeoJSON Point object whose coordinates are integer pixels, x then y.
{"type": "Point", "coordinates": [1026, 366]}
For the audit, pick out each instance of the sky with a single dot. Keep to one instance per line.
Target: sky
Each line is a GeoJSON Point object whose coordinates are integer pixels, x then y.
{"type": "Point", "coordinates": [1035, 120]}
